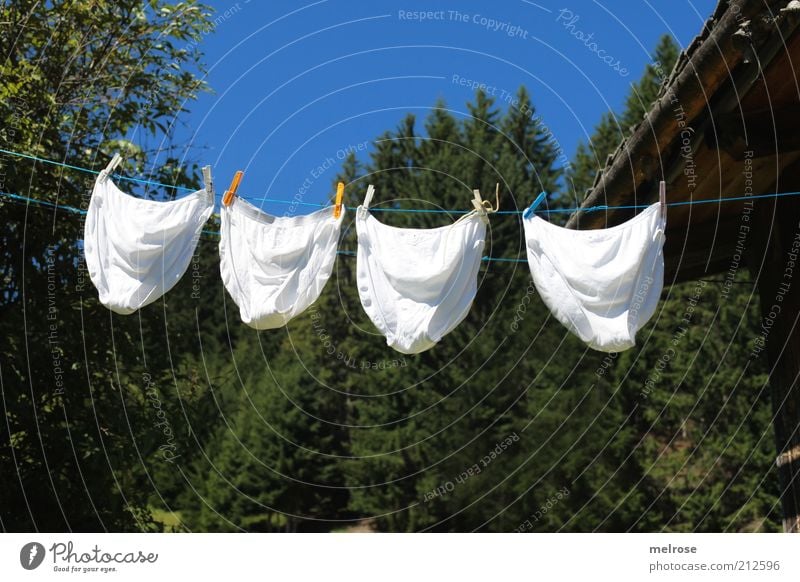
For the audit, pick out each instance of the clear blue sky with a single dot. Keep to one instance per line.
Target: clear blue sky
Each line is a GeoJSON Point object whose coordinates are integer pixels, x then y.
{"type": "Point", "coordinates": [296, 85]}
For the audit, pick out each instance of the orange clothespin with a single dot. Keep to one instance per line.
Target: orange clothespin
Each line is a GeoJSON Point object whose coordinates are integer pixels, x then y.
{"type": "Point", "coordinates": [227, 198]}
{"type": "Point", "coordinates": [337, 210]}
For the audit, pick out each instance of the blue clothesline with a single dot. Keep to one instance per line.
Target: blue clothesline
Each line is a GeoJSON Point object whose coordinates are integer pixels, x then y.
{"type": "Point", "coordinates": [206, 232]}
{"type": "Point", "coordinates": [89, 171]}
{"type": "Point", "coordinates": [74, 210]}
{"type": "Point", "coordinates": [597, 208]}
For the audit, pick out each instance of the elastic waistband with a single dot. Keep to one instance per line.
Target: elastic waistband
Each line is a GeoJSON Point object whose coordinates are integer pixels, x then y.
{"type": "Point", "coordinates": [244, 207]}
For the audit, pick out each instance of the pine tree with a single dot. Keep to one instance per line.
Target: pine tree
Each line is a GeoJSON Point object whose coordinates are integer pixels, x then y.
{"type": "Point", "coordinates": [591, 156]}
{"type": "Point", "coordinates": [645, 92]}
{"type": "Point", "coordinates": [425, 422]}
{"type": "Point", "coordinates": [702, 415]}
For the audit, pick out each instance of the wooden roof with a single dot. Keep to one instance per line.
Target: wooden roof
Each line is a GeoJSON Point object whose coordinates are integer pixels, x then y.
{"type": "Point", "coordinates": [726, 124]}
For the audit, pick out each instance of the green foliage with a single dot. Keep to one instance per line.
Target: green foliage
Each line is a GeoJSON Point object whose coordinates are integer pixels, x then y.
{"type": "Point", "coordinates": [80, 445]}
{"type": "Point", "coordinates": [703, 413]}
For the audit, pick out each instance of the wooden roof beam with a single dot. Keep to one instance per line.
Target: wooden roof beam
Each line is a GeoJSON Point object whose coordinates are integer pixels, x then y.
{"type": "Point", "coordinates": [711, 60]}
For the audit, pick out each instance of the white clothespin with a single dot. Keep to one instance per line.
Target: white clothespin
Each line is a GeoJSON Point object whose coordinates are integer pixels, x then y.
{"type": "Point", "coordinates": [662, 198]}
{"type": "Point", "coordinates": [208, 183]}
{"type": "Point", "coordinates": [112, 165]}
{"type": "Point", "coordinates": [367, 200]}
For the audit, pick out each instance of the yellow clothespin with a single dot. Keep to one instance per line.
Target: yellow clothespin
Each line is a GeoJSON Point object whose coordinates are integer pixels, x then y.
{"type": "Point", "coordinates": [227, 198]}
{"type": "Point", "coordinates": [337, 210]}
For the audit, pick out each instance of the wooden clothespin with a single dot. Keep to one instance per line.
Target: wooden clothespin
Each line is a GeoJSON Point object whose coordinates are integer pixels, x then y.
{"type": "Point", "coordinates": [532, 208]}
{"type": "Point", "coordinates": [208, 183]}
{"type": "Point", "coordinates": [337, 210]}
{"type": "Point", "coordinates": [112, 165]}
{"type": "Point", "coordinates": [662, 198]}
{"type": "Point", "coordinates": [230, 193]}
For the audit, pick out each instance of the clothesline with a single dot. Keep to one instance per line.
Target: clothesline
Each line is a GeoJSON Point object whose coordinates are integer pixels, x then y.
{"type": "Point", "coordinates": [95, 172]}
{"type": "Point", "coordinates": [74, 210]}
{"type": "Point", "coordinates": [597, 208]}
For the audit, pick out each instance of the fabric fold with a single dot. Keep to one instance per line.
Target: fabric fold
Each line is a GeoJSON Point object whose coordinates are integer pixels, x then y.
{"type": "Point", "coordinates": [274, 268]}
{"type": "Point", "coordinates": [417, 285]}
{"type": "Point", "coordinates": [604, 284]}
{"type": "Point", "coordinates": [136, 250]}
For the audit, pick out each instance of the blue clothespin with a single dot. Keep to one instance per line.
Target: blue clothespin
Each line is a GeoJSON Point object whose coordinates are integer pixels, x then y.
{"type": "Point", "coordinates": [532, 208]}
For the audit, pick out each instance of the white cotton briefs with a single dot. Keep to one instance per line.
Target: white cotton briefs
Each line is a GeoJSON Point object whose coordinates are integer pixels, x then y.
{"type": "Point", "coordinates": [275, 267]}
{"type": "Point", "coordinates": [603, 284]}
{"type": "Point", "coordinates": [417, 285]}
{"type": "Point", "coordinates": [137, 250]}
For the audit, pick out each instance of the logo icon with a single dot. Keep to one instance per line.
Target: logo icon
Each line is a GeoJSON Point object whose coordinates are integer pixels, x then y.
{"type": "Point", "coordinates": [31, 555]}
